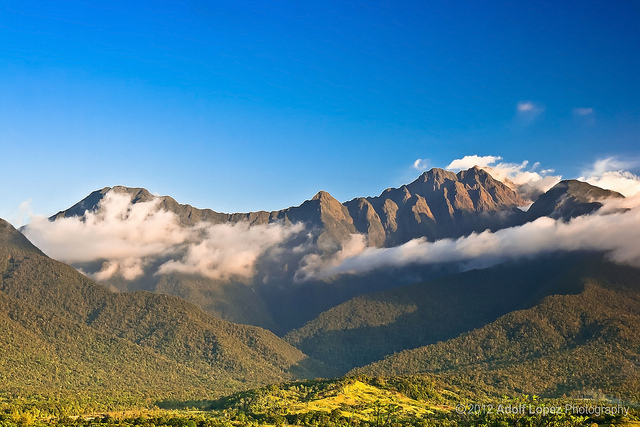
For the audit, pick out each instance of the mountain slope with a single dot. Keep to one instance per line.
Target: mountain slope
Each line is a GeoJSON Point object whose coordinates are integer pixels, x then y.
{"type": "Point", "coordinates": [61, 321]}
{"type": "Point", "coordinates": [566, 343]}
{"type": "Point", "coordinates": [569, 199]}
{"type": "Point", "coordinates": [369, 327]}
{"type": "Point", "coordinates": [47, 354]}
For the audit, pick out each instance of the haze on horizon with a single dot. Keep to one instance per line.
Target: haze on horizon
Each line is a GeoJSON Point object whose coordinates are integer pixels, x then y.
{"type": "Point", "coordinates": [258, 105]}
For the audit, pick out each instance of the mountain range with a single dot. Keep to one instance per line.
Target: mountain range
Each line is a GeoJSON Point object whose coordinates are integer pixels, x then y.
{"type": "Point", "coordinates": [439, 204]}
{"type": "Point", "coordinates": [286, 287]}
{"type": "Point", "coordinates": [284, 313]}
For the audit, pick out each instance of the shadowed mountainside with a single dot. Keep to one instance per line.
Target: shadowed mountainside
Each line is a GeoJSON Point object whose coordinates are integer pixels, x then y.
{"type": "Point", "coordinates": [370, 327]}
{"type": "Point", "coordinates": [587, 342]}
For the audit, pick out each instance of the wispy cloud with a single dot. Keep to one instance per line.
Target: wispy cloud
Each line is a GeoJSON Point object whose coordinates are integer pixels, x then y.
{"type": "Point", "coordinates": [611, 173]}
{"type": "Point", "coordinates": [528, 111]}
{"type": "Point", "coordinates": [527, 180]}
{"type": "Point", "coordinates": [529, 107]}
{"type": "Point", "coordinates": [582, 111]}
{"type": "Point", "coordinates": [608, 164]}
{"type": "Point", "coordinates": [421, 164]}
{"type": "Point", "coordinates": [21, 215]}
{"type": "Point", "coordinates": [525, 106]}
{"type": "Point", "coordinates": [313, 264]}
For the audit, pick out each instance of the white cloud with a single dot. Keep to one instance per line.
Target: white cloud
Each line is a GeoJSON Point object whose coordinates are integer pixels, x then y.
{"type": "Point", "coordinates": [625, 183]}
{"type": "Point", "coordinates": [470, 161]}
{"type": "Point", "coordinates": [610, 164]}
{"type": "Point", "coordinates": [525, 106]}
{"type": "Point", "coordinates": [229, 250]}
{"type": "Point", "coordinates": [421, 164]}
{"type": "Point", "coordinates": [519, 176]}
{"type": "Point", "coordinates": [527, 112]}
{"type": "Point", "coordinates": [117, 230]}
{"type": "Point", "coordinates": [582, 111]}
{"type": "Point", "coordinates": [313, 264]}
{"type": "Point", "coordinates": [528, 107]}
{"type": "Point", "coordinates": [128, 237]}
{"type": "Point", "coordinates": [616, 233]}
{"type": "Point", "coordinates": [609, 173]}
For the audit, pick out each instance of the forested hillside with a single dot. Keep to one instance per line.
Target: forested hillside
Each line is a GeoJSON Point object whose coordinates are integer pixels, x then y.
{"type": "Point", "coordinates": [370, 327]}
{"type": "Point", "coordinates": [62, 333]}
{"type": "Point", "coordinates": [568, 344]}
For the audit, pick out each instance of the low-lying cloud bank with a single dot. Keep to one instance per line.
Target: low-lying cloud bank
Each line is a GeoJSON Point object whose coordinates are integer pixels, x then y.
{"type": "Point", "coordinates": [128, 237]}
{"type": "Point", "coordinates": [229, 250]}
{"type": "Point", "coordinates": [615, 229]}
{"type": "Point", "coordinates": [313, 265]}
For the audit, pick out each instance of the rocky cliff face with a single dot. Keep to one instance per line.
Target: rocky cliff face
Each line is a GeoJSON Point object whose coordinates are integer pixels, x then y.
{"type": "Point", "coordinates": [439, 204]}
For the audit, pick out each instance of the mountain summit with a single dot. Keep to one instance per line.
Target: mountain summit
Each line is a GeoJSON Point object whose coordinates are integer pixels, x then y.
{"type": "Point", "coordinates": [569, 199]}
{"type": "Point", "coordinates": [438, 204]}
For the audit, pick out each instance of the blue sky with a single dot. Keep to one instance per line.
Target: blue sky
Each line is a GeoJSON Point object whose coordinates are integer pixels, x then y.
{"type": "Point", "coordinates": [250, 105]}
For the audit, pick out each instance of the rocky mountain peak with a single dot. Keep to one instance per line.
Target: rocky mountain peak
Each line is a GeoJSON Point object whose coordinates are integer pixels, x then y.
{"type": "Point", "coordinates": [137, 194]}
{"type": "Point", "coordinates": [476, 175]}
{"type": "Point", "coordinates": [323, 196]}
{"type": "Point", "coordinates": [570, 198]}
{"type": "Point", "coordinates": [435, 175]}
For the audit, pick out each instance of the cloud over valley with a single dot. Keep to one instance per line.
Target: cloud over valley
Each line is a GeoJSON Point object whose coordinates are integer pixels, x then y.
{"type": "Point", "coordinates": [127, 237]}
{"type": "Point", "coordinates": [615, 229]}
